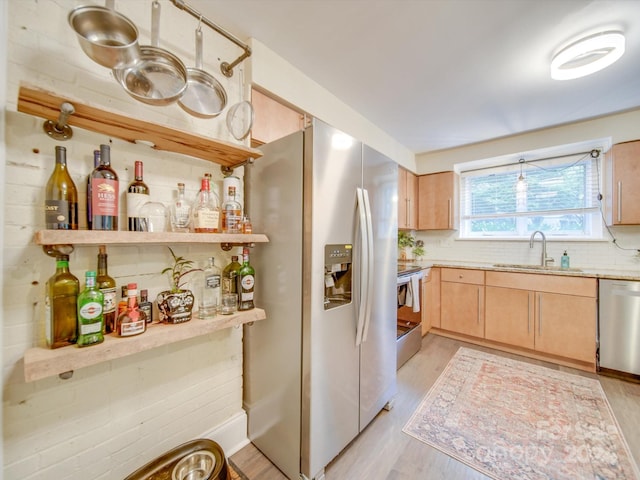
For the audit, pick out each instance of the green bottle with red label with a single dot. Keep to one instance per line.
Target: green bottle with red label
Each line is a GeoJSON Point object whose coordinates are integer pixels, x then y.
{"type": "Point", "coordinates": [90, 308]}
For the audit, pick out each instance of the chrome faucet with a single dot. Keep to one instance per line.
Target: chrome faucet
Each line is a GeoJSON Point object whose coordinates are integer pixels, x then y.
{"type": "Point", "coordinates": [544, 260]}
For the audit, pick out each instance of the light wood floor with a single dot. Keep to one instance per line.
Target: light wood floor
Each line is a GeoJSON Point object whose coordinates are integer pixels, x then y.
{"type": "Point", "coordinates": [383, 451]}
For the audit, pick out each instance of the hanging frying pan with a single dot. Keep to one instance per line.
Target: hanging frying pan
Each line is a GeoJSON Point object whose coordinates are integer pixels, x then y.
{"type": "Point", "coordinates": [158, 77]}
{"type": "Point", "coordinates": [204, 97]}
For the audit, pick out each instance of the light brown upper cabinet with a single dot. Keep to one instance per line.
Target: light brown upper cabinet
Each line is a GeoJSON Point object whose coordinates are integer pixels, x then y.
{"type": "Point", "coordinates": [438, 201]}
{"type": "Point", "coordinates": [625, 198]}
{"type": "Point", "coordinates": [272, 119]}
{"type": "Point", "coordinates": [407, 199]}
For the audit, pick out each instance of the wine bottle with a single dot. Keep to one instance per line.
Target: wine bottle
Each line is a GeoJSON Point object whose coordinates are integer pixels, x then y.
{"type": "Point", "coordinates": [132, 321]}
{"type": "Point", "coordinates": [96, 164]}
{"type": "Point", "coordinates": [104, 193]}
{"type": "Point", "coordinates": [107, 286]}
{"type": "Point", "coordinates": [61, 297]}
{"type": "Point", "coordinates": [231, 213]}
{"type": "Point", "coordinates": [245, 282]}
{"type": "Point", "coordinates": [90, 307]}
{"type": "Point", "coordinates": [137, 196]}
{"type": "Point", "coordinates": [206, 211]}
{"type": "Point", "coordinates": [61, 201]}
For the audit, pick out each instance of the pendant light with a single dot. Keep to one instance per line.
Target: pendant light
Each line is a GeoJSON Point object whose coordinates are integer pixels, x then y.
{"type": "Point", "coordinates": [521, 184]}
{"type": "Point", "coordinates": [588, 55]}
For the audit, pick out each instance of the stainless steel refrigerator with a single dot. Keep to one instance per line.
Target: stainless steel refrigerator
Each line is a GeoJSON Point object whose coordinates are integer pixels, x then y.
{"type": "Point", "coordinates": [323, 363]}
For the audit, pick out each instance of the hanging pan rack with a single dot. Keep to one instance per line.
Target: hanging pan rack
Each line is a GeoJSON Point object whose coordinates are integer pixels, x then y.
{"type": "Point", "coordinates": [225, 67]}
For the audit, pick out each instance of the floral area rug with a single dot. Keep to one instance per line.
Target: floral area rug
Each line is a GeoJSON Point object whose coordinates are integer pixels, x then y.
{"type": "Point", "coordinates": [514, 420]}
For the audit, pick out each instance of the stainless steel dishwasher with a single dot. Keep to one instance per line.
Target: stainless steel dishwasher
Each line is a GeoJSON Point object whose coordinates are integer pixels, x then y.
{"type": "Point", "coordinates": [619, 327]}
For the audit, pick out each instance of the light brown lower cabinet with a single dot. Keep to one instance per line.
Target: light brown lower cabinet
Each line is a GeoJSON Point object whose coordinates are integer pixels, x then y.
{"type": "Point", "coordinates": [431, 300]}
{"type": "Point", "coordinates": [509, 316]}
{"type": "Point", "coordinates": [462, 301]}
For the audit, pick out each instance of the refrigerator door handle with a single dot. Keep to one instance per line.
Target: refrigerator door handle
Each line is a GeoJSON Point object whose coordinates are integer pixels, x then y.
{"type": "Point", "coordinates": [364, 265]}
{"type": "Point", "coordinates": [370, 272]}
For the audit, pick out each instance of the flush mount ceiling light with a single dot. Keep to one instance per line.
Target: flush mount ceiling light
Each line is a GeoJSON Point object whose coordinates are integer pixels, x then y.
{"type": "Point", "coordinates": [587, 56]}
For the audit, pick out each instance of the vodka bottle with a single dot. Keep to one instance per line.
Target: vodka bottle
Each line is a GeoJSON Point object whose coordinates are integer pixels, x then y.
{"type": "Point", "coordinates": [104, 193]}
{"type": "Point", "coordinates": [137, 196]}
{"type": "Point", "coordinates": [245, 282]}
{"type": "Point", "coordinates": [90, 321]}
{"type": "Point", "coordinates": [206, 211]}
{"type": "Point", "coordinates": [61, 309]}
{"type": "Point", "coordinates": [210, 289]}
{"type": "Point", "coordinates": [231, 213]}
{"type": "Point", "coordinates": [180, 212]}
{"type": "Point", "coordinates": [107, 286]}
{"type": "Point", "coordinates": [61, 201]}
{"type": "Point", "coordinates": [132, 321]}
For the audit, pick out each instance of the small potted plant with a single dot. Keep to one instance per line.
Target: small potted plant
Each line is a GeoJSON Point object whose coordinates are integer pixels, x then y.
{"type": "Point", "coordinates": [418, 249]}
{"type": "Point", "coordinates": [405, 240]}
{"type": "Point", "coordinates": [175, 305]}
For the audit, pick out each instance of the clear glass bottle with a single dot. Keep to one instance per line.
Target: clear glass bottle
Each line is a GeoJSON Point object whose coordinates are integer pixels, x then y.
{"type": "Point", "coordinates": [245, 282]}
{"type": "Point", "coordinates": [229, 275]}
{"type": "Point", "coordinates": [132, 321]}
{"type": "Point", "coordinates": [61, 306]}
{"type": "Point", "coordinates": [107, 286]}
{"type": "Point", "coordinates": [145, 305]}
{"type": "Point", "coordinates": [180, 212]}
{"type": "Point", "coordinates": [90, 308]}
{"type": "Point", "coordinates": [104, 193]}
{"type": "Point", "coordinates": [137, 195]}
{"type": "Point", "coordinates": [209, 290]}
{"type": "Point", "coordinates": [206, 210]}
{"type": "Point", "coordinates": [61, 200]}
{"type": "Point", "coordinates": [246, 225]}
{"type": "Point", "coordinates": [96, 164]}
{"type": "Point", "coordinates": [231, 213]}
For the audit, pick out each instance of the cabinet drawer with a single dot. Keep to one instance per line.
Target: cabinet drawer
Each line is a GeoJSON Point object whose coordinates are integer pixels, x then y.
{"type": "Point", "coordinates": [584, 287]}
{"type": "Point", "coordinates": [462, 275]}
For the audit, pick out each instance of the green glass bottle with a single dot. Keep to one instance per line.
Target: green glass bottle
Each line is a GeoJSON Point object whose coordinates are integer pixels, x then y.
{"type": "Point", "coordinates": [245, 282]}
{"type": "Point", "coordinates": [107, 286]}
{"type": "Point", "coordinates": [90, 306]}
{"type": "Point", "coordinates": [229, 275]}
{"type": "Point", "coordinates": [61, 297]}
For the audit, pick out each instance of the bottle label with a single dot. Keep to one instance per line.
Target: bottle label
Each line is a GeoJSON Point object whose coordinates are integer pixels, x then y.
{"type": "Point", "coordinates": [132, 328]}
{"type": "Point", "coordinates": [212, 281]}
{"type": "Point", "coordinates": [88, 329]}
{"type": "Point", "coordinates": [56, 211]}
{"type": "Point", "coordinates": [90, 310]}
{"type": "Point", "coordinates": [247, 282]}
{"type": "Point", "coordinates": [207, 219]}
{"type": "Point", "coordinates": [104, 197]}
{"type": "Point", "coordinates": [110, 298]}
{"type": "Point", "coordinates": [135, 201]}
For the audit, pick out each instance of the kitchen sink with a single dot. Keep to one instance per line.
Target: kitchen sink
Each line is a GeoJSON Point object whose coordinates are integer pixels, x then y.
{"type": "Point", "coordinates": [551, 268]}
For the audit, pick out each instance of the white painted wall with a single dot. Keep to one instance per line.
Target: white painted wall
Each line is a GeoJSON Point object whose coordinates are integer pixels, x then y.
{"type": "Point", "coordinates": [444, 245]}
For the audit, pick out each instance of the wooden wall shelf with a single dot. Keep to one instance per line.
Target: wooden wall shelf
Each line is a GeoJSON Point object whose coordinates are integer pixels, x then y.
{"type": "Point", "coordinates": [44, 104]}
{"type": "Point", "coordinates": [42, 362]}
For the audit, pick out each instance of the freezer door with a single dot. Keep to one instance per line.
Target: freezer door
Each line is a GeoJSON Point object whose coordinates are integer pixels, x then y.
{"type": "Point", "coordinates": [378, 350]}
{"type": "Point", "coordinates": [330, 357]}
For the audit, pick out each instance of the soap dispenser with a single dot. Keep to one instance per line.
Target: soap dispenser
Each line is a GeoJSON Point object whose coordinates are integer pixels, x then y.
{"type": "Point", "coordinates": [564, 260]}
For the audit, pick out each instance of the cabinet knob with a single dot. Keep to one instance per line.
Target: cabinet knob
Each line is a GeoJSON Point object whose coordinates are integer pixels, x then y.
{"type": "Point", "coordinates": [461, 276]}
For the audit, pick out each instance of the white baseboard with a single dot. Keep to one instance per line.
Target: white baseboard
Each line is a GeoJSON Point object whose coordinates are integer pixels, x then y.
{"type": "Point", "coordinates": [230, 435]}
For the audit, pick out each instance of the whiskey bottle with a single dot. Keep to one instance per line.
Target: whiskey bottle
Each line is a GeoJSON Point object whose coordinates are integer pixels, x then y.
{"type": "Point", "coordinates": [245, 281]}
{"type": "Point", "coordinates": [206, 211]}
{"type": "Point", "coordinates": [61, 304]}
{"type": "Point", "coordinates": [104, 193]}
{"type": "Point", "coordinates": [132, 321]}
{"type": "Point", "coordinates": [107, 286]}
{"type": "Point", "coordinates": [229, 275]}
{"type": "Point", "coordinates": [96, 164]}
{"type": "Point", "coordinates": [61, 201]}
{"type": "Point", "coordinates": [90, 320]}
{"type": "Point", "coordinates": [231, 213]}
{"type": "Point", "coordinates": [180, 212]}
{"type": "Point", "coordinates": [122, 304]}
{"type": "Point", "coordinates": [137, 196]}
{"type": "Point", "coordinates": [210, 286]}
{"type": "Point", "coordinates": [145, 305]}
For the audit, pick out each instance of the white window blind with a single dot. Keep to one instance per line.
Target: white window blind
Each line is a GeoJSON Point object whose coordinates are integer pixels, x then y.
{"type": "Point", "coordinates": [560, 196]}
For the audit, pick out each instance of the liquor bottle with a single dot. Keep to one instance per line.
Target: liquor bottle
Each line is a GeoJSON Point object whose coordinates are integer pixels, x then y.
{"type": "Point", "coordinates": [231, 213]}
{"type": "Point", "coordinates": [90, 320]}
{"type": "Point", "coordinates": [137, 196]}
{"type": "Point", "coordinates": [122, 304]}
{"type": "Point", "coordinates": [229, 276]}
{"type": "Point", "coordinates": [96, 164]}
{"type": "Point", "coordinates": [180, 212]}
{"type": "Point", "coordinates": [245, 282]}
{"type": "Point", "coordinates": [145, 305]}
{"type": "Point", "coordinates": [206, 211]}
{"type": "Point", "coordinates": [107, 286]}
{"type": "Point", "coordinates": [104, 193]}
{"type": "Point", "coordinates": [210, 286]}
{"type": "Point", "coordinates": [246, 225]}
{"type": "Point", "coordinates": [61, 297]}
{"type": "Point", "coordinates": [132, 321]}
{"type": "Point", "coordinates": [61, 201]}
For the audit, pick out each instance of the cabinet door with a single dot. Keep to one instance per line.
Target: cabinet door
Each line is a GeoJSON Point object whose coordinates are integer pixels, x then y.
{"type": "Point", "coordinates": [566, 326]}
{"type": "Point", "coordinates": [509, 316]}
{"type": "Point", "coordinates": [462, 308]}
{"type": "Point", "coordinates": [626, 184]}
{"type": "Point", "coordinates": [272, 119]}
{"type": "Point", "coordinates": [437, 202]}
{"type": "Point", "coordinates": [432, 299]}
{"type": "Point", "coordinates": [407, 199]}
{"type": "Point", "coordinates": [427, 298]}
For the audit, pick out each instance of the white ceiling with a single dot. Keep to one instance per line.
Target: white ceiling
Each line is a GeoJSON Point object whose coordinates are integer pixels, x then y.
{"type": "Point", "coordinates": [437, 74]}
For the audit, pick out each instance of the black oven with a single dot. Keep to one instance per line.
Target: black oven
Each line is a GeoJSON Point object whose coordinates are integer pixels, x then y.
{"type": "Point", "coordinates": [409, 328]}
